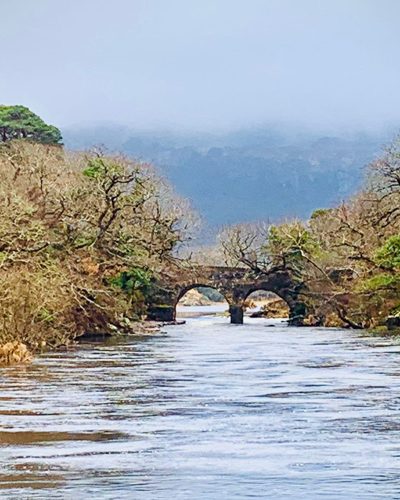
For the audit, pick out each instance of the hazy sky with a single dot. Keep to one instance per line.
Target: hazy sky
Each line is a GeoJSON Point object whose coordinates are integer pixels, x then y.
{"type": "Point", "coordinates": [203, 63]}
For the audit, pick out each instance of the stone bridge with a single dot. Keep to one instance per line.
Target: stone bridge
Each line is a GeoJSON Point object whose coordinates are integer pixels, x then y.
{"type": "Point", "coordinates": [235, 284]}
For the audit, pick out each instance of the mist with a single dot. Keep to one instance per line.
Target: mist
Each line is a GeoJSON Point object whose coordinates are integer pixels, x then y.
{"type": "Point", "coordinates": [204, 65]}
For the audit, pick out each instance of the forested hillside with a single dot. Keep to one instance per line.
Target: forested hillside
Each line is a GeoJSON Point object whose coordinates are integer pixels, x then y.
{"type": "Point", "coordinates": [249, 174]}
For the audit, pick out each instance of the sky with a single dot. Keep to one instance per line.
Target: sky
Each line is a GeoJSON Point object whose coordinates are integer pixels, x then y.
{"type": "Point", "coordinates": [203, 64]}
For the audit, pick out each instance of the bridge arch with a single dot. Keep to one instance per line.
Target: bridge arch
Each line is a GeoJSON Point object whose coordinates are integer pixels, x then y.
{"type": "Point", "coordinates": [263, 289]}
{"type": "Point", "coordinates": [235, 284]}
{"type": "Point", "coordinates": [183, 291]}
{"type": "Point", "coordinates": [297, 310]}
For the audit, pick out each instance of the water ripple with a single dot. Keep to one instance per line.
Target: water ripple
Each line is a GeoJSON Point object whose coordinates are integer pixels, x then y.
{"type": "Point", "coordinates": [206, 411]}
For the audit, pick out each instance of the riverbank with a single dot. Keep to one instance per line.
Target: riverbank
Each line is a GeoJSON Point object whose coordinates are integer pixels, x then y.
{"type": "Point", "coordinates": [16, 353]}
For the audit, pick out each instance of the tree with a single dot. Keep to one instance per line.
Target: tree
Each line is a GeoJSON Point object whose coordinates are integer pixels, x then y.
{"type": "Point", "coordinates": [83, 236]}
{"type": "Point", "coordinates": [18, 122]}
{"type": "Point", "coordinates": [243, 245]}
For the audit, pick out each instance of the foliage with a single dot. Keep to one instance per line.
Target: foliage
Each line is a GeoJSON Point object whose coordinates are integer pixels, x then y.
{"type": "Point", "coordinates": [18, 122]}
{"type": "Point", "coordinates": [389, 254]}
{"type": "Point", "coordinates": [134, 279]}
{"type": "Point", "coordinates": [82, 235]}
{"type": "Point", "coordinates": [319, 212]}
{"type": "Point", "coordinates": [211, 294]}
{"type": "Point", "coordinates": [291, 242]}
{"type": "Point", "coordinates": [377, 282]}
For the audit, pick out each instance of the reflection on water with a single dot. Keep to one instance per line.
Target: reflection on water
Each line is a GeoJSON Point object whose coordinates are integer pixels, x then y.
{"type": "Point", "coordinates": [206, 411]}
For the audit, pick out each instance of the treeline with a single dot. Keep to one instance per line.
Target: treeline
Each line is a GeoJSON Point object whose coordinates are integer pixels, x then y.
{"type": "Point", "coordinates": [82, 238]}
{"type": "Point", "coordinates": [344, 261]}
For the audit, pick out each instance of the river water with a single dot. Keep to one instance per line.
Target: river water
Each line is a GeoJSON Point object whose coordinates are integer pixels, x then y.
{"type": "Point", "coordinates": [208, 411]}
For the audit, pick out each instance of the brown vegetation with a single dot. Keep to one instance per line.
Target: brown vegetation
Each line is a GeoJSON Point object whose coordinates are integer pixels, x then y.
{"type": "Point", "coordinates": [344, 262]}
{"type": "Point", "coordinates": [81, 237]}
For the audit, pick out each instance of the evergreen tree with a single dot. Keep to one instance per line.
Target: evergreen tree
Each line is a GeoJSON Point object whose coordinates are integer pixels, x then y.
{"type": "Point", "coordinates": [18, 122]}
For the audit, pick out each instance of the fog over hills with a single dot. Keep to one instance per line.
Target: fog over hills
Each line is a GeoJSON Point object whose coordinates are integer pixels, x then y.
{"type": "Point", "coordinates": [162, 69]}
{"type": "Point", "coordinates": [250, 174]}
{"type": "Point", "coordinates": [171, 67]}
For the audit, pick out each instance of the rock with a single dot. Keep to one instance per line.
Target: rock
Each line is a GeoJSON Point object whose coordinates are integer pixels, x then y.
{"type": "Point", "coordinates": [259, 314]}
{"type": "Point", "coordinates": [332, 320]}
{"type": "Point", "coordinates": [174, 323]}
{"type": "Point", "coordinates": [161, 313]}
{"type": "Point", "coordinates": [311, 320]}
{"type": "Point", "coordinates": [14, 352]}
{"type": "Point", "coordinates": [392, 322]}
{"type": "Point", "coordinates": [274, 308]}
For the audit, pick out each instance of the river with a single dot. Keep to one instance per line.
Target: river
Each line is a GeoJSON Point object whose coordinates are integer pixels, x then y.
{"type": "Point", "coordinates": [206, 411]}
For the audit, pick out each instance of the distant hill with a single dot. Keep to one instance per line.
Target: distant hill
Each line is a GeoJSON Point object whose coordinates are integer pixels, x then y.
{"type": "Point", "coordinates": [250, 174]}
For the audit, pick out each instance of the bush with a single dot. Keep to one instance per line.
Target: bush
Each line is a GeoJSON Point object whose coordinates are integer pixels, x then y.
{"type": "Point", "coordinates": [211, 294]}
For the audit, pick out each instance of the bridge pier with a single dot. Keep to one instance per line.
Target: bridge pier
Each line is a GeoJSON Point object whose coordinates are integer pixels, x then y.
{"type": "Point", "coordinates": [161, 313]}
{"type": "Point", "coordinates": [236, 313]}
